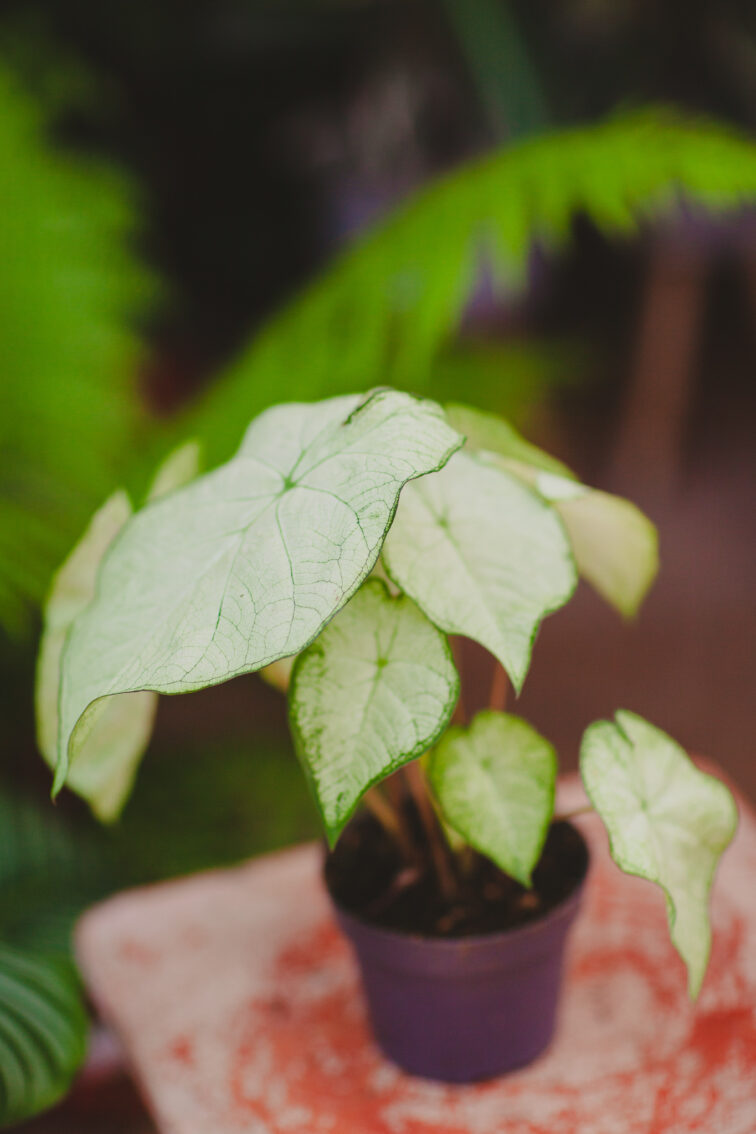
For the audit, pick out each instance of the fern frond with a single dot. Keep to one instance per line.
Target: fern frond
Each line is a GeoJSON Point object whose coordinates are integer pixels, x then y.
{"type": "Point", "coordinates": [70, 287]}
{"type": "Point", "coordinates": [388, 306]}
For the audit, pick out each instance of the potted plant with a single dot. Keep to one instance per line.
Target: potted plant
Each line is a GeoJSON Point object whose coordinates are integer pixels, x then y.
{"type": "Point", "coordinates": [354, 535]}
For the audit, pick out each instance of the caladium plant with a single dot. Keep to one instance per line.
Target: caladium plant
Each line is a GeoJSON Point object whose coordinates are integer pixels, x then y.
{"type": "Point", "coordinates": [335, 552]}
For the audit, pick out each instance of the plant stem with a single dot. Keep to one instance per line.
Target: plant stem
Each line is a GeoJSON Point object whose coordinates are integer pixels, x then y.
{"type": "Point", "coordinates": [440, 856]}
{"type": "Point", "coordinates": [388, 816]}
{"type": "Point", "coordinates": [497, 699]}
{"type": "Point", "coordinates": [395, 791]}
{"type": "Point", "coordinates": [584, 809]}
{"type": "Point", "coordinates": [459, 716]}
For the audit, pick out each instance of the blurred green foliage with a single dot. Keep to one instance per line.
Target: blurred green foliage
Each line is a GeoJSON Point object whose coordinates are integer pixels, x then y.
{"type": "Point", "coordinates": [70, 289]}
{"type": "Point", "coordinates": [43, 1031]}
{"type": "Point", "coordinates": [49, 871]}
{"type": "Point", "coordinates": [47, 874]}
{"type": "Point", "coordinates": [235, 799]}
{"type": "Point", "coordinates": [194, 808]}
{"type": "Point", "coordinates": [388, 308]}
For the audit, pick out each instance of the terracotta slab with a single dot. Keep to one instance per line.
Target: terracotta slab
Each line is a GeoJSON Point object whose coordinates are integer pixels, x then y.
{"type": "Point", "coordinates": [238, 1005]}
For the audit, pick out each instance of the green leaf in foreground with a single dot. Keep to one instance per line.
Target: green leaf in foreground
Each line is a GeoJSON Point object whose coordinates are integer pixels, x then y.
{"type": "Point", "coordinates": [616, 547]}
{"type": "Point", "coordinates": [495, 783]}
{"type": "Point", "coordinates": [43, 1032]}
{"type": "Point", "coordinates": [374, 691]}
{"type": "Point", "coordinates": [119, 727]}
{"type": "Point", "coordinates": [483, 556]}
{"type": "Point", "coordinates": [667, 822]}
{"type": "Point", "coordinates": [247, 564]}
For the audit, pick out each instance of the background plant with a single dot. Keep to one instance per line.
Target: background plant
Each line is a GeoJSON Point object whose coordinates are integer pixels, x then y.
{"type": "Point", "coordinates": [389, 308]}
{"type": "Point", "coordinates": [70, 291]}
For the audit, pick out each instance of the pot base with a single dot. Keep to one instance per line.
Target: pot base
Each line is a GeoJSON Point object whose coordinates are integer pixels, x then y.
{"type": "Point", "coordinates": [466, 1008]}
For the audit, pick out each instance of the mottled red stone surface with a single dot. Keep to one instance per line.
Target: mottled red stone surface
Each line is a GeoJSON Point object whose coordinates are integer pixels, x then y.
{"type": "Point", "coordinates": [238, 1005]}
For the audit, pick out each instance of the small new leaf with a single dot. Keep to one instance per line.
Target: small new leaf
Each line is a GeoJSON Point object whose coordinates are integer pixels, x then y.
{"type": "Point", "coordinates": [374, 691]}
{"type": "Point", "coordinates": [495, 783]}
{"type": "Point", "coordinates": [667, 822]}
{"type": "Point", "coordinates": [483, 556]}
{"type": "Point", "coordinates": [278, 674]}
{"type": "Point", "coordinates": [246, 565]}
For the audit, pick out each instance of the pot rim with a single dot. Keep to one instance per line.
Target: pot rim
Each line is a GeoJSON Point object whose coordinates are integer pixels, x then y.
{"type": "Point", "coordinates": [564, 909]}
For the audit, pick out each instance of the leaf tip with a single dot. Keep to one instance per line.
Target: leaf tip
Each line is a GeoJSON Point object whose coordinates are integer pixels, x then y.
{"type": "Point", "coordinates": [518, 673]}
{"type": "Point", "coordinates": [59, 780]}
{"type": "Point", "coordinates": [333, 832]}
{"type": "Point", "coordinates": [695, 983]}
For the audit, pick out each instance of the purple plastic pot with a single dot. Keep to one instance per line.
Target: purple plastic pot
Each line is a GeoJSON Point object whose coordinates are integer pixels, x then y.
{"type": "Point", "coordinates": [466, 1008]}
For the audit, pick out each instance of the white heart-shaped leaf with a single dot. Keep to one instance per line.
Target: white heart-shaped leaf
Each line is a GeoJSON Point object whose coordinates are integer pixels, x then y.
{"type": "Point", "coordinates": [374, 691]}
{"type": "Point", "coordinates": [278, 673]}
{"type": "Point", "coordinates": [667, 821]}
{"type": "Point", "coordinates": [495, 783]}
{"type": "Point", "coordinates": [483, 556]}
{"type": "Point", "coordinates": [107, 760]}
{"type": "Point", "coordinates": [616, 547]}
{"type": "Point", "coordinates": [120, 730]}
{"type": "Point", "coordinates": [248, 563]}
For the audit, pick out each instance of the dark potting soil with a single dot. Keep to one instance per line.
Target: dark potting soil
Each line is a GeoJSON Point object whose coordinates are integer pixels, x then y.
{"type": "Point", "coordinates": [367, 877]}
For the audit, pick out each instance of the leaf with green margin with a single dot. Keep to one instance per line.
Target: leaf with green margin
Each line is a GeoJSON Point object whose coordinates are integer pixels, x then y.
{"type": "Point", "coordinates": [483, 556]}
{"type": "Point", "coordinates": [375, 690]}
{"type": "Point", "coordinates": [107, 759]}
{"type": "Point", "coordinates": [667, 822]}
{"type": "Point", "coordinates": [495, 783]}
{"type": "Point", "coordinates": [43, 1032]}
{"type": "Point", "coordinates": [616, 547]}
{"type": "Point", "coordinates": [248, 563]}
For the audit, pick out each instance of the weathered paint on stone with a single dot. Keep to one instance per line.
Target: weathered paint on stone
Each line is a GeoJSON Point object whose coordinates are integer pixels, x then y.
{"type": "Point", "coordinates": [238, 1005]}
